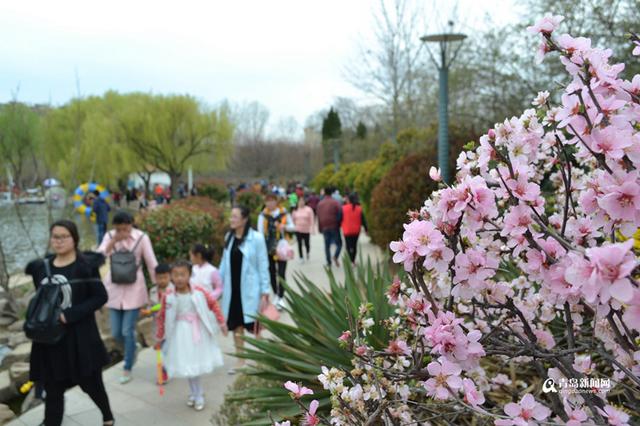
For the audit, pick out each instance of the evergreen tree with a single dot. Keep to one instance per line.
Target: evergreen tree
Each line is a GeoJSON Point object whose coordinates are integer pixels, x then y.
{"type": "Point", "coordinates": [331, 137]}
{"type": "Point", "coordinates": [361, 130]}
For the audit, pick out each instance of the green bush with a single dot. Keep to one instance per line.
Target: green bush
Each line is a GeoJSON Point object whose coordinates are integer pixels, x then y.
{"type": "Point", "coordinates": [323, 178]}
{"type": "Point", "coordinates": [403, 188]}
{"type": "Point", "coordinates": [174, 228]}
{"type": "Point", "coordinates": [216, 190]}
{"type": "Point", "coordinates": [296, 352]}
{"type": "Point", "coordinates": [371, 172]}
{"type": "Point", "coordinates": [254, 201]}
{"type": "Point", "coordinates": [343, 180]}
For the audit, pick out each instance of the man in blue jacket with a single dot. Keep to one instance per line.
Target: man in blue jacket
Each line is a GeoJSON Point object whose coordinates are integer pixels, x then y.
{"type": "Point", "coordinates": [101, 208]}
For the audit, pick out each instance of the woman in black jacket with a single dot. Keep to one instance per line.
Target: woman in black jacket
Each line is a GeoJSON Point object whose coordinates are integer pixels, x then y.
{"type": "Point", "coordinates": [78, 358]}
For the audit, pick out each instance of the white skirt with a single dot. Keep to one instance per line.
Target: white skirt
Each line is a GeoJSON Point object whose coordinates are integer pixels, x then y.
{"type": "Point", "coordinates": [184, 358]}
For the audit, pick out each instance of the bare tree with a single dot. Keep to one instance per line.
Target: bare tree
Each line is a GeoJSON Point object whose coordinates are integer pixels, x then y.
{"type": "Point", "coordinates": [388, 70]}
{"type": "Point", "coordinates": [250, 121]}
{"type": "Point", "coordinates": [287, 129]}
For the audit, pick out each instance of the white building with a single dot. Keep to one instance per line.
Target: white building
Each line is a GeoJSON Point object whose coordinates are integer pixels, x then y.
{"type": "Point", "coordinates": [157, 178]}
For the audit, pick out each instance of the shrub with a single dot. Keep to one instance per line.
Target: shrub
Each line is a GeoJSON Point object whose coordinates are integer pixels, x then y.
{"type": "Point", "coordinates": [174, 228]}
{"type": "Point", "coordinates": [371, 172]}
{"type": "Point", "coordinates": [323, 178]}
{"type": "Point", "coordinates": [296, 351]}
{"type": "Point", "coordinates": [253, 200]}
{"type": "Point", "coordinates": [400, 190]}
{"type": "Point", "coordinates": [216, 190]}
{"type": "Point", "coordinates": [344, 179]}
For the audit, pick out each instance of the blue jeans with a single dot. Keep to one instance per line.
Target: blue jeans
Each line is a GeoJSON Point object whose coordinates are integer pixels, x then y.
{"type": "Point", "coordinates": [101, 230]}
{"type": "Point", "coordinates": [123, 329]}
{"type": "Point", "coordinates": [332, 236]}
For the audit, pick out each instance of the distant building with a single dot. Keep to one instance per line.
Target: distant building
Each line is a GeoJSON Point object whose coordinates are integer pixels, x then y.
{"type": "Point", "coordinates": [156, 178]}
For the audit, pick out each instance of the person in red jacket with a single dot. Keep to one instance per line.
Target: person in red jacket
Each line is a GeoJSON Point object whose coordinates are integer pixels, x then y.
{"type": "Point", "coordinates": [352, 221]}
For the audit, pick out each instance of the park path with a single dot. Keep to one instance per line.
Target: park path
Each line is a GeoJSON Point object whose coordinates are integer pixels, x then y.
{"type": "Point", "coordinates": [139, 403]}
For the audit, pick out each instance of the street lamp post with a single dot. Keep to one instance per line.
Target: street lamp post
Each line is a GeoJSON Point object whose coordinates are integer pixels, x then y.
{"type": "Point", "coordinates": [447, 55]}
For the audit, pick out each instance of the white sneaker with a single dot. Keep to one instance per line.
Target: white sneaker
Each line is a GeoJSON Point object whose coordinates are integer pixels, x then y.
{"type": "Point", "coordinates": [301, 260]}
{"type": "Point", "coordinates": [191, 401]}
{"type": "Point", "coordinates": [199, 405]}
{"type": "Point", "coordinates": [281, 304]}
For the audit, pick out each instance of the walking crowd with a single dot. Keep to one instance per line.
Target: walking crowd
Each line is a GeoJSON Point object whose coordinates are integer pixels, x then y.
{"type": "Point", "coordinates": [192, 301]}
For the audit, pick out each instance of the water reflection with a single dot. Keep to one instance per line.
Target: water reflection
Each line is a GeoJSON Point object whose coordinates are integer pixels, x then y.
{"type": "Point", "coordinates": [23, 241]}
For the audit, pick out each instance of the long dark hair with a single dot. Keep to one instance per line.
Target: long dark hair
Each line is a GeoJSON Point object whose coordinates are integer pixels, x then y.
{"type": "Point", "coordinates": [246, 214]}
{"type": "Point", "coordinates": [69, 226]}
{"type": "Point", "coordinates": [353, 199]}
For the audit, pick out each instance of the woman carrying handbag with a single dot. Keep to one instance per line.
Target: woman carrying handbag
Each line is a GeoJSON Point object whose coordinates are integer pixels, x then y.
{"type": "Point", "coordinates": [244, 270]}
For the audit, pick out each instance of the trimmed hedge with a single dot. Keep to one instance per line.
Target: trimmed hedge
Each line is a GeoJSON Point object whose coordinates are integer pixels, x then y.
{"type": "Point", "coordinates": [175, 227]}
{"type": "Point", "coordinates": [214, 189]}
{"type": "Point", "coordinates": [403, 188]}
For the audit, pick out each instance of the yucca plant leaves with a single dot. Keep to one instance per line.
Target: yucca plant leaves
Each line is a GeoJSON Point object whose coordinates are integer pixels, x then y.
{"type": "Point", "coordinates": [297, 352]}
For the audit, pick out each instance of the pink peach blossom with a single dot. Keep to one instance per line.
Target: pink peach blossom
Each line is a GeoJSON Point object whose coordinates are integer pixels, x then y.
{"type": "Point", "coordinates": [297, 391]}
{"type": "Point", "coordinates": [546, 25]}
{"type": "Point", "coordinates": [524, 413]}
{"type": "Point", "coordinates": [614, 417]}
{"type": "Point", "coordinates": [398, 347]}
{"type": "Point", "coordinates": [471, 394]}
{"type": "Point", "coordinates": [434, 173]}
{"type": "Point", "coordinates": [446, 378]}
{"type": "Point", "coordinates": [310, 419]}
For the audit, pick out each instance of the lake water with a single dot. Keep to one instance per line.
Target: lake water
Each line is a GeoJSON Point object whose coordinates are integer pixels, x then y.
{"type": "Point", "coordinates": [24, 232]}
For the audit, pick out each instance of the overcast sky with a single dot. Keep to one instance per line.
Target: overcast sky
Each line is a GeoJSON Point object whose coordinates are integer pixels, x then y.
{"type": "Point", "coordinates": [287, 54]}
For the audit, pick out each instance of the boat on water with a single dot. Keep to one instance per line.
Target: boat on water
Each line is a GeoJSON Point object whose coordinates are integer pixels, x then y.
{"type": "Point", "coordinates": [32, 196]}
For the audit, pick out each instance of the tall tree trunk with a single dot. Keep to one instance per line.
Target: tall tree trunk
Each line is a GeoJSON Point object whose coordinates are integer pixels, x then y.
{"type": "Point", "coordinates": [175, 178]}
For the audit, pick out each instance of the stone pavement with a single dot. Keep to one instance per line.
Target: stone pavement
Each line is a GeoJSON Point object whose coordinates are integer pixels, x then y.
{"type": "Point", "coordinates": [139, 403]}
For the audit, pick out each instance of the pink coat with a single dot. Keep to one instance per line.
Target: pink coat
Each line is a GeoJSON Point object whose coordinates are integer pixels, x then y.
{"type": "Point", "coordinates": [303, 219]}
{"type": "Point", "coordinates": [130, 296]}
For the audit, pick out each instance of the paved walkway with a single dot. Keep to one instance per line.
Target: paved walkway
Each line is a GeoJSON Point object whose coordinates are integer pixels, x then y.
{"type": "Point", "coordinates": [139, 403]}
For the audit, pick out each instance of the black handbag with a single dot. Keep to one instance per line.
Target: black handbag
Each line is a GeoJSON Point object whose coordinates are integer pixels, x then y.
{"type": "Point", "coordinates": [42, 323]}
{"type": "Point", "coordinates": [124, 266]}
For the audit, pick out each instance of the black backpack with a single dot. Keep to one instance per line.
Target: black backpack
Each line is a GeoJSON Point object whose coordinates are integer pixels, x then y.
{"type": "Point", "coordinates": [271, 234]}
{"type": "Point", "coordinates": [42, 324]}
{"type": "Point", "coordinates": [124, 266]}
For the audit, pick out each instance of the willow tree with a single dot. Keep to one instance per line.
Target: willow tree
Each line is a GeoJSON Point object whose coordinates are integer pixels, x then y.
{"type": "Point", "coordinates": [83, 142]}
{"type": "Point", "coordinates": [175, 132]}
{"type": "Point", "coordinates": [19, 138]}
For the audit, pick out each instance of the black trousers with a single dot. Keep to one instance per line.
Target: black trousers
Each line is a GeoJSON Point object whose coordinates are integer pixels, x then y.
{"type": "Point", "coordinates": [303, 238]}
{"type": "Point", "coordinates": [54, 399]}
{"type": "Point", "coordinates": [352, 246]}
{"type": "Point", "coordinates": [277, 269]}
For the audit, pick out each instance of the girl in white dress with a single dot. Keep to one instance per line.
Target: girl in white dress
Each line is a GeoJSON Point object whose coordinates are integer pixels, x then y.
{"type": "Point", "coordinates": [190, 319]}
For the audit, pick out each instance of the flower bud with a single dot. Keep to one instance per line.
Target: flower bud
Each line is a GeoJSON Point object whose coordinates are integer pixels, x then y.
{"type": "Point", "coordinates": [435, 174]}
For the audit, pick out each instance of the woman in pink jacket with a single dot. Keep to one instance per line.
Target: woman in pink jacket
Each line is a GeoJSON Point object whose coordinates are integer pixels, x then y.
{"type": "Point", "coordinates": [303, 219]}
{"type": "Point", "coordinates": [125, 300]}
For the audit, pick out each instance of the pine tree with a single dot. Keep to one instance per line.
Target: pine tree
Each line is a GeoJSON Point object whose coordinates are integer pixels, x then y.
{"type": "Point", "coordinates": [331, 137]}
{"type": "Point", "coordinates": [361, 130]}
